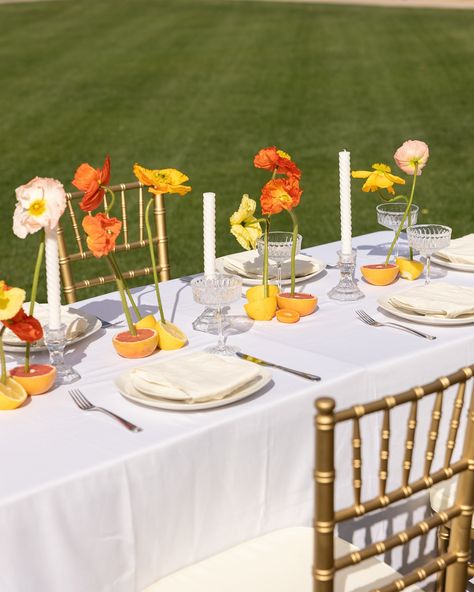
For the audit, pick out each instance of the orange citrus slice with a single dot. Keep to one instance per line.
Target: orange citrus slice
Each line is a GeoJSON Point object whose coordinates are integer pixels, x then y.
{"type": "Point", "coordinates": [304, 304]}
{"type": "Point", "coordinates": [12, 395]}
{"type": "Point", "coordinates": [140, 345]}
{"type": "Point", "coordinates": [39, 380]}
{"type": "Point", "coordinates": [171, 336]}
{"type": "Point", "coordinates": [258, 292]}
{"type": "Point", "coordinates": [409, 270]}
{"type": "Point", "coordinates": [285, 315]}
{"type": "Point", "coordinates": [261, 310]}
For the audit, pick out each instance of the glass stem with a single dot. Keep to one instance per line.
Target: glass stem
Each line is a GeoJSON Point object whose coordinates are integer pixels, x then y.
{"type": "Point", "coordinates": [220, 330]}
{"type": "Point", "coordinates": [279, 275]}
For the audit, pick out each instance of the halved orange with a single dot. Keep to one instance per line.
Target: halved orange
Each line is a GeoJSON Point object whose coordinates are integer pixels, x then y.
{"type": "Point", "coordinates": [302, 303]}
{"type": "Point", "coordinates": [286, 315]}
{"type": "Point", "coordinates": [140, 345]}
{"type": "Point", "coordinates": [38, 380]}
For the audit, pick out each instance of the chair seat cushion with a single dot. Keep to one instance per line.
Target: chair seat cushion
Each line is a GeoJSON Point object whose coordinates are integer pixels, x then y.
{"type": "Point", "coordinates": [277, 562]}
{"type": "Point", "coordinates": [443, 495]}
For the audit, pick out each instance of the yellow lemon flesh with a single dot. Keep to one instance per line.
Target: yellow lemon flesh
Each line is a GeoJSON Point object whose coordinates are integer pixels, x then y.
{"type": "Point", "coordinates": [258, 292]}
{"type": "Point", "coordinates": [171, 337]}
{"type": "Point", "coordinates": [409, 270]}
{"type": "Point", "coordinates": [147, 322]}
{"type": "Point", "coordinates": [12, 395]}
{"type": "Point", "coordinates": [262, 310]}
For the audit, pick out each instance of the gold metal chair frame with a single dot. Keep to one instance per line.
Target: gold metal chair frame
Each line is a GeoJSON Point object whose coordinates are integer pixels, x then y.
{"type": "Point", "coordinates": [160, 239]}
{"type": "Point", "coordinates": [451, 562]}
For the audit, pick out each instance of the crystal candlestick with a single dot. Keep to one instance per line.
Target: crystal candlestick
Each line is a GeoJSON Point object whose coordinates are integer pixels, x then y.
{"type": "Point", "coordinates": [346, 289]}
{"type": "Point", "coordinates": [55, 340]}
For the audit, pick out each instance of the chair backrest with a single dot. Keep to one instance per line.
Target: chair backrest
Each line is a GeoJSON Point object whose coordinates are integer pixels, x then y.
{"type": "Point", "coordinates": [127, 194]}
{"type": "Point", "coordinates": [460, 514]}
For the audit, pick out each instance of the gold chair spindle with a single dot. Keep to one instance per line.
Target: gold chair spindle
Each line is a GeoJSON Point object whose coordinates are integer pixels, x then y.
{"type": "Point", "coordinates": [356, 461]}
{"type": "Point", "coordinates": [434, 431]}
{"type": "Point", "coordinates": [410, 442]}
{"type": "Point", "coordinates": [75, 226]}
{"type": "Point", "coordinates": [124, 214]}
{"type": "Point", "coordinates": [384, 452]}
{"type": "Point", "coordinates": [454, 424]}
{"type": "Point", "coordinates": [141, 213]}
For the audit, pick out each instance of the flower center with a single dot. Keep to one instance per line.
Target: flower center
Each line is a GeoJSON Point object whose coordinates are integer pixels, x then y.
{"type": "Point", "coordinates": [383, 168]}
{"type": "Point", "coordinates": [37, 207]}
{"type": "Point", "coordinates": [283, 154]}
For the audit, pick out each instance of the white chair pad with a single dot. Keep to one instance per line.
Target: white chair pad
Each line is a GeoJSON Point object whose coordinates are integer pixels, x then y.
{"type": "Point", "coordinates": [277, 562]}
{"type": "Point", "coordinates": [443, 495]}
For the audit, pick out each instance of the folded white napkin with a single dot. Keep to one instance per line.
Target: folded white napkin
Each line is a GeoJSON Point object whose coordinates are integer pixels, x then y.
{"type": "Point", "coordinates": [196, 377]}
{"type": "Point", "coordinates": [436, 300]}
{"type": "Point", "coordinates": [250, 264]}
{"type": "Point", "coordinates": [76, 324]}
{"type": "Point", "coordinates": [460, 250]}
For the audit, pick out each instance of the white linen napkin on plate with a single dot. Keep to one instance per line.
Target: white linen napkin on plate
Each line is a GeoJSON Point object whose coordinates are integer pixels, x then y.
{"type": "Point", "coordinates": [76, 324]}
{"type": "Point", "coordinates": [250, 264]}
{"type": "Point", "coordinates": [196, 377]}
{"type": "Point", "coordinates": [436, 300]}
{"type": "Point", "coordinates": [460, 250]}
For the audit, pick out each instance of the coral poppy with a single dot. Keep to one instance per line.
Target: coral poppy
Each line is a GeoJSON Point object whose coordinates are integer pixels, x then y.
{"type": "Point", "coordinates": [11, 301]}
{"type": "Point", "coordinates": [162, 180]}
{"type": "Point", "coordinates": [380, 178]}
{"type": "Point", "coordinates": [25, 327]}
{"type": "Point", "coordinates": [102, 232]}
{"type": "Point", "coordinates": [93, 182]}
{"type": "Point", "coordinates": [280, 194]}
{"type": "Point", "coordinates": [273, 159]}
{"type": "Point", "coordinates": [243, 224]}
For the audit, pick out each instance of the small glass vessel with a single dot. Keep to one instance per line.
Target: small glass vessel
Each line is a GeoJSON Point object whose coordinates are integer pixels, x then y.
{"type": "Point", "coordinates": [390, 215]}
{"type": "Point", "coordinates": [427, 239]}
{"type": "Point", "coordinates": [279, 249]}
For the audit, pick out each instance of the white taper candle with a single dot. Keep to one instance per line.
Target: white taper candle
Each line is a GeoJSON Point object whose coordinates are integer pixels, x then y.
{"type": "Point", "coordinates": [209, 222]}
{"type": "Point", "coordinates": [53, 282]}
{"type": "Point", "coordinates": [345, 199]}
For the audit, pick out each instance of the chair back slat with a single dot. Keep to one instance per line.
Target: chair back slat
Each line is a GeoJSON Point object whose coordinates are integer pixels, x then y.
{"type": "Point", "coordinates": [459, 515]}
{"type": "Point", "coordinates": [356, 461]}
{"type": "Point", "coordinates": [454, 423]}
{"type": "Point", "coordinates": [410, 442]}
{"type": "Point", "coordinates": [129, 195]}
{"type": "Point", "coordinates": [434, 432]}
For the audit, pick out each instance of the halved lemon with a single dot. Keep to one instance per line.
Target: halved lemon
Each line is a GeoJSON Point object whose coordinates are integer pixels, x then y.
{"type": "Point", "coordinates": [171, 336]}
{"type": "Point", "coordinates": [147, 322]}
{"type": "Point", "coordinates": [258, 292]}
{"type": "Point", "coordinates": [262, 310]}
{"type": "Point", "coordinates": [409, 270]}
{"type": "Point", "coordinates": [12, 395]}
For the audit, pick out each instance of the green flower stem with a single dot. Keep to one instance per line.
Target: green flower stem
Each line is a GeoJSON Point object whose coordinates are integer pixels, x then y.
{"type": "Point", "coordinates": [293, 249]}
{"type": "Point", "coordinates": [112, 201]}
{"type": "Point", "coordinates": [34, 290]}
{"type": "Point", "coordinates": [405, 215]}
{"type": "Point", "coordinates": [2, 358]}
{"type": "Point", "coordinates": [127, 289]}
{"type": "Point", "coordinates": [120, 286]}
{"type": "Point", "coordinates": [265, 258]}
{"type": "Point", "coordinates": [153, 259]}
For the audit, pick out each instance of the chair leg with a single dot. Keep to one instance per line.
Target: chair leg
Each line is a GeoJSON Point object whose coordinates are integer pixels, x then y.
{"type": "Point", "coordinates": [443, 542]}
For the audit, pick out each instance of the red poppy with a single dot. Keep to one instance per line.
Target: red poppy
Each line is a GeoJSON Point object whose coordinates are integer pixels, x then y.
{"type": "Point", "coordinates": [93, 182]}
{"type": "Point", "coordinates": [273, 159]}
{"type": "Point", "coordinates": [102, 232]}
{"type": "Point", "coordinates": [25, 327]}
{"type": "Point", "coordinates": [280, 194]}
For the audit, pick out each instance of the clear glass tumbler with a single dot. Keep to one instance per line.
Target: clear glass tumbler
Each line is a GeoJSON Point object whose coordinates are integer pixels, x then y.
{"type": "Point", "coordinates": [390, 215]}
{"type": "Point", "coordinates": [427, 239]}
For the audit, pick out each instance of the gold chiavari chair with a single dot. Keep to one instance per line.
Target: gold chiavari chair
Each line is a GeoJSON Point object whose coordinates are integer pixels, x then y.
{"type": "Point", "coordinates": [129, 195]}
{"type": "Point", "coordinates": [281, 560]}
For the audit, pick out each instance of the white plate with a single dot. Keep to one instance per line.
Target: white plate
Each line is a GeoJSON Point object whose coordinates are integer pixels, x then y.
{"type": "Point", "coordinates": [423, 319]}
{"type": "Point", "coordinates": [126, 388]}
{"type": "Point", "coordinates": [250, 281]}
{"type": "Point", "coordinates": [93, 325]}
{"type": "Point", "coordinates": [451, 264]}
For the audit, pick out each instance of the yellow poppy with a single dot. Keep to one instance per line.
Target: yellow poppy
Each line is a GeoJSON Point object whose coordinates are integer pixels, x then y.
{"type": "Point", "coordinates": [380, 178]}
{"type": "Point", "coordinates": [11, 300]}
{"type": "Point", "coordinates": [162, 180]}
{"type": "Point", "coordinates": [243, 224]}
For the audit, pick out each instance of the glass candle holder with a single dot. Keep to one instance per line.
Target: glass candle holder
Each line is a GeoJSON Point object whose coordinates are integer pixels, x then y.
{"type": "Point", "coordinates": [347, 289]}
{"type": "Point", "coordinates": [55, 341]}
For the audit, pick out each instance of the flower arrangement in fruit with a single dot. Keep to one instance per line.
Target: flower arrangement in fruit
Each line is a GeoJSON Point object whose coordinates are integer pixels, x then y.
{"type": "Point", "coordinates": [411, 158]}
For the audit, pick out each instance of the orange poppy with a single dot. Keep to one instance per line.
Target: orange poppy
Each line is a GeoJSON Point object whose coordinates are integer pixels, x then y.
{"type": "Point", "coordinates": [25, 327]}
{"type": "Point", "coordinates": [102, 232]}
{"type": "Point", "coordinates": [93, 182]}
{"type": "Point", "coordinates": [162, 180]}
{"type": "Point", "coordinates": [273, 159]}
{"type": "Point", "coordinates": [280, 194]}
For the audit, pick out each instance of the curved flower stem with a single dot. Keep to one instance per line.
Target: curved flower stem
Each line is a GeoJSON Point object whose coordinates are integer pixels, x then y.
{"type": "Point", "coordinates": [3, 378]}
{"type": "Point", "coordinates": [34, 290]}
{"type": "Point", "coordinates": [112, 201]}
{"type": "Point", "coordinates": [153, 259]}
{"type": "Point", "coordinates": [405, 215]}
{"type": "Point", "coordinates": [293, 249]}
{"type": "Point", "coordinates": [120, 286]}
{"type": "Point", "coordinates": [127, 289]}
{"type": "Point", "coordinates": [265, 257]}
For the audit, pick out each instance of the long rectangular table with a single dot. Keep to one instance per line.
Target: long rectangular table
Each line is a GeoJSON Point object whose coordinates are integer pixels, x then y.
{"type": "Point", "coordinates": [87, 505]}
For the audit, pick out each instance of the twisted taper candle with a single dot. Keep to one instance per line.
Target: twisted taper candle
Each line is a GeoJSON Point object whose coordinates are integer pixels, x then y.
{"type": "Point", "coordinates": [345, 199]}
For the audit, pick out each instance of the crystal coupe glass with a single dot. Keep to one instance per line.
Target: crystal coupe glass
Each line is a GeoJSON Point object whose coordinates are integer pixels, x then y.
{"type": "Point", "coordinates": [427, 239]}
{"type": "Point", "coordinates": [390, 215]}
{"type": "Point", "coordinates": [216, 291]}
{"type": "Point", "coordinates": [279, 248]}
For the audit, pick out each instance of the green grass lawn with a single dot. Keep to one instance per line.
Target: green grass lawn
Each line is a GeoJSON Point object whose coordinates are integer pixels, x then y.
{"type": "Point", "coordinates": [202, 85]}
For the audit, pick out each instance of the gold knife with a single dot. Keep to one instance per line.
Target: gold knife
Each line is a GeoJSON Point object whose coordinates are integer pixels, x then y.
{"type": "Point", "coordinates": [255, 360]}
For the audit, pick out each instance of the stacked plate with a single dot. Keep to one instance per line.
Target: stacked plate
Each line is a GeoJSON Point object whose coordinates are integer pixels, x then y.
{"type": "Point", "coordinates": [192, 382]}
{"type": "Point", "coordinates": [459, 255]}
{"type": "Point", "coordinates": [249, 265]}
{"type": "Point", "coordinates": [432, 304]}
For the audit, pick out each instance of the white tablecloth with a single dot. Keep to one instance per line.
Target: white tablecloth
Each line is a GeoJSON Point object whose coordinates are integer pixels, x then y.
{"type": "Point", "coordinates": [87, 506]}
